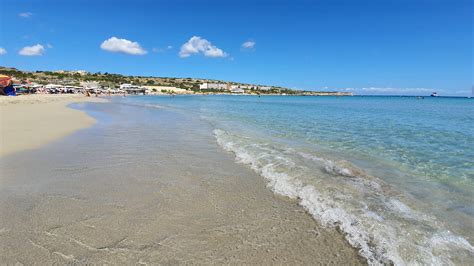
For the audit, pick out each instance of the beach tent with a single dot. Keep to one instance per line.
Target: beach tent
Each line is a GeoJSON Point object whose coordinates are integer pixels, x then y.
{"type": "Point", "coordinates": [4, 80]}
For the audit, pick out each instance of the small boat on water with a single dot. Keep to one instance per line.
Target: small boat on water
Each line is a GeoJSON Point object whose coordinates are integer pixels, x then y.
{"type": "Point", "coordinates": [434, 94]}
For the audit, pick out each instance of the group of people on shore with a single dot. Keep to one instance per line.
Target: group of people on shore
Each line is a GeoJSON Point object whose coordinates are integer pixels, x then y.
{"type": "Point", "coordinates": [7, 88]}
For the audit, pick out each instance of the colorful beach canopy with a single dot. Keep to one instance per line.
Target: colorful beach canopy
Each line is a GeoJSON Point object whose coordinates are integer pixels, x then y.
{"type": "Point", "coordinates": [4, 80]}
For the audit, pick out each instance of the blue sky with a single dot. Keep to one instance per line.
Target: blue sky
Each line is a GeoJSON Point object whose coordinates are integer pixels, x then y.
{"type": "Point", "coordinates": [369, 47]}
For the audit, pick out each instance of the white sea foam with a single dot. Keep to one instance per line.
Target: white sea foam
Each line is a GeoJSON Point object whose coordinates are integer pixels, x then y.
{"type": "Point", "coordinates": [383, 228]}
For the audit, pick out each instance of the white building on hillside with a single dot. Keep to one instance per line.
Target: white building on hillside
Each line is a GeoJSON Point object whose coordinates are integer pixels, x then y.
{"type": "Point", "coordinates": [133, 89]}
{"type": "Point", "coordinates": [126, 86]}
{"type": "Point", "coordinates": [237, 89]}
{"type": "Point", "coordinates": [213, 86]}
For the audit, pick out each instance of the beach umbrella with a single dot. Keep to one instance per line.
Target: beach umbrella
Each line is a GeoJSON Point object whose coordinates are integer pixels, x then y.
{"type": "Point", "coordinates": [4, 80]}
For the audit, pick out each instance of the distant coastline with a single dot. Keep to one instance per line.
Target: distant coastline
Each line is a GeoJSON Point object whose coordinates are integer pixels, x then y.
{"type": "Point", "coordinates": [80, 81]}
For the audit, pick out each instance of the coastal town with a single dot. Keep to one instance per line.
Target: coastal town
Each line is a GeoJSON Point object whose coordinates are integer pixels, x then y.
{"type": "Point", "coordinates": [83, 82]}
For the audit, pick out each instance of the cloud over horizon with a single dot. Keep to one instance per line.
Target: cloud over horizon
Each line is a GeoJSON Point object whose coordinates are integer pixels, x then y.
{"type": "Point", "coordinates": [25, 14]}
{"type": "Point", "coordinates": [116, 45]}
{"type": "Point", "coordinates": [198, 45]}
{"type": "Point", "coordinates": [2, 51]}
{"type": "Point", "coordinates": [390, 89]}
{"type": "Point", "coordinates": [393, 90]}
{"type": "Point", "coordinates": [34, 50]}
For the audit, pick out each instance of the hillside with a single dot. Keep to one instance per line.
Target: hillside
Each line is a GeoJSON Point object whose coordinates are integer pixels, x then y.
{"type": "Point", "coordinates": [114, 80]}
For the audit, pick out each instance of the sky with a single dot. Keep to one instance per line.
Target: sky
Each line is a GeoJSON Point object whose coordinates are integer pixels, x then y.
{"type": "Point", "coordinates": [408, 47]}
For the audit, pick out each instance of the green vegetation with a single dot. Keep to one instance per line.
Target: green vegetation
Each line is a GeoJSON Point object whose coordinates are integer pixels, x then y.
{"type": "Point", "coordinates": [114, 80]}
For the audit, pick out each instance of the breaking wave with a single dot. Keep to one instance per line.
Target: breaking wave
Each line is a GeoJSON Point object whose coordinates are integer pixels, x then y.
{"type": "Point", "coordinates": [385, 225]}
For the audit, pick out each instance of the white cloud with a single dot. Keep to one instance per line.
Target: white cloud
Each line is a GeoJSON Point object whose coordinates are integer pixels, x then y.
{"type": "Point", "coordinates": [197, 45]}
{"type": "Point", "coordinates": [117, 45]}
{"type": "Point", "coordinates": [34, 50]}
{"type": "Point", "coordinates": [169, 47]}
{"type": "Point", "coordinates": [25, 14]}
{"type": "Point", "coordinates": [49, 46]}
{"type": "Point", "coordinates": [398, 90]}
{"type": "Point", "coordinates": [390, 91]}
{"type": "Point", "coordinates": [405, 91]}
{"type": "Point", "coordinates": [2, 51]}
{"type": "Point", "coordinates": [248, 45]}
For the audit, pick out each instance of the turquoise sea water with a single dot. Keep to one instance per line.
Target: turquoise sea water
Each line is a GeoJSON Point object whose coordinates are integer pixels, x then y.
{"type": "Point", "coordinates": [394, 174]}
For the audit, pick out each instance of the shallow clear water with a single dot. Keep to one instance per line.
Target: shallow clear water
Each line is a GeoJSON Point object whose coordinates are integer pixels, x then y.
{"type": "Point", "coordinates": [394, 174]}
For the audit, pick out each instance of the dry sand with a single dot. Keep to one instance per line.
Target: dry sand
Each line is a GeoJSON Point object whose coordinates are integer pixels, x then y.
{"type": "Point", "coordinates": [30, 121]}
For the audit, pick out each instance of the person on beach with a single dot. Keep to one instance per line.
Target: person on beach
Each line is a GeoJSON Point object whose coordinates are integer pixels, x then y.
{"type": "Point", "coordinates": [9, 90]}
{"type": "Point", "coordinates": [4, 82]}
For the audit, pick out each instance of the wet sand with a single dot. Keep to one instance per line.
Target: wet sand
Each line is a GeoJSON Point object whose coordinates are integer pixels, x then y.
{"type": "Point", "coordinates": [149, 186]}
{"type": "Point", "coordinates": [30, 121]}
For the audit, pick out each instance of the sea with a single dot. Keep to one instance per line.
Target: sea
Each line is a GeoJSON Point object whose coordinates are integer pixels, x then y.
{"type": "Point", "coordinates": [395, 175]}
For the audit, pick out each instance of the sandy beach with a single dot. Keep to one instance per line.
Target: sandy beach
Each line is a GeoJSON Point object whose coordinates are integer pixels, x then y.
{"type": "Point", "coordinates": [139, 188]}
{"type": "Point", "coordinates": [29, 121]}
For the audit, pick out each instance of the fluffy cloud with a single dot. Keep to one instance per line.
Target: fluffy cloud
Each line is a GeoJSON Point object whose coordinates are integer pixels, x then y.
{"type": "Point", "coordinates": [25, 14]}
{"type": "Point", "coordinates": [2, 51]}
{"type": "Point", "coordinates": [35, 50]}
{"type": "Point", "coordinates": [117, 45]}
{"type": "Point", "coordinates": [248, 45]}
{"type": "Point", "coordinates": [197, 45]}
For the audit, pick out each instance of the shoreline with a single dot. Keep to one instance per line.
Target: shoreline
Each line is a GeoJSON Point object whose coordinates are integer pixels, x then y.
{"type": "Point", "coordinates": [31, 121]}
{"type": "Point", "coordinates": [151, 193]}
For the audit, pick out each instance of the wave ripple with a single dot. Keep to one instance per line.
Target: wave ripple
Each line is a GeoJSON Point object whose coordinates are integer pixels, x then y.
{"type": "Point", "coordinates": [385, 225]}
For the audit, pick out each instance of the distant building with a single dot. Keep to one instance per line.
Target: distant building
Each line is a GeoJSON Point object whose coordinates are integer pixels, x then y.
{"type": "Point", "coordinates": [232, 88]}
{"type": "Point", "coordinates": [132, 89]}
{"type": "Point", "coordinates": [247, 87]}
{"type": "Point", "coordinates": [236, 89]}
{"type": "Point", "coordinates": [214, 86]}
{"type": "Point", "coordinates": [126, 86]}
